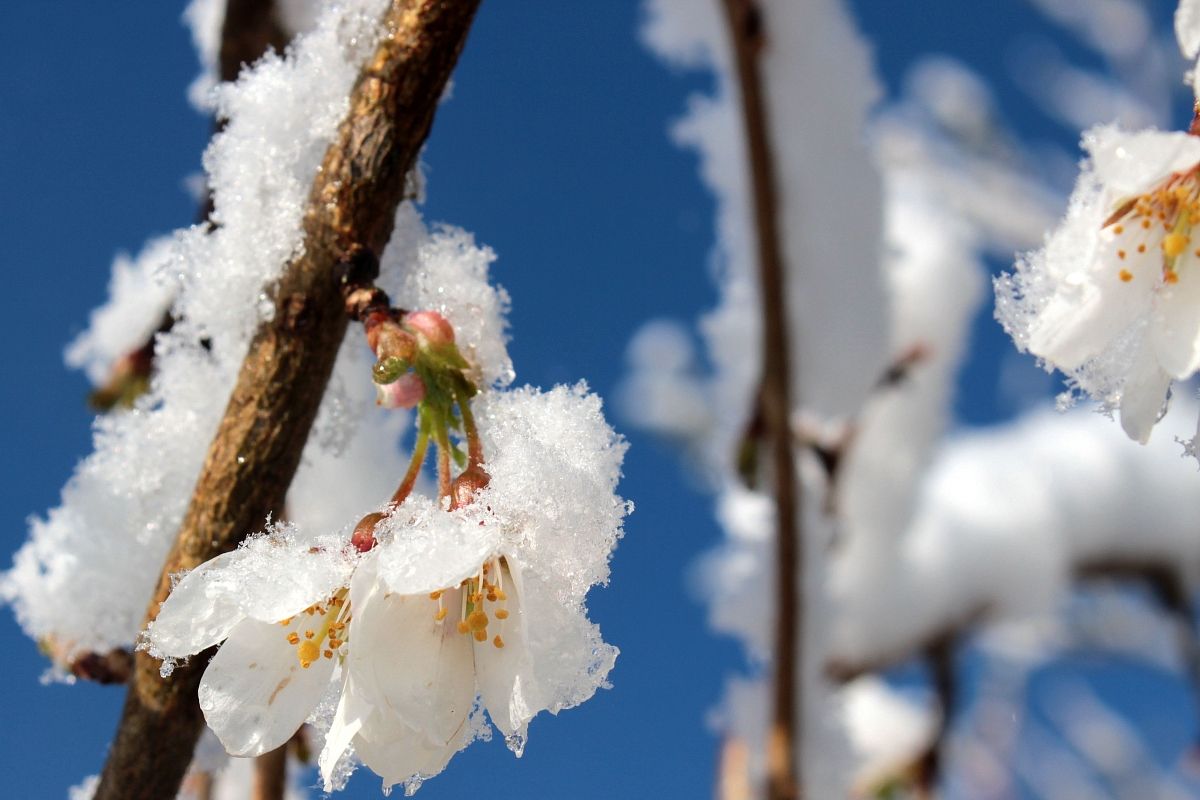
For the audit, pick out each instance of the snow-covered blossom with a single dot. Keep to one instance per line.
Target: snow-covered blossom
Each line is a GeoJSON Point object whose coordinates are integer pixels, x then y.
{"type": "Point", "coordinates": [485, 599]}
{"type": "Point", "coordinates": [1113, 300]}
{"type": "Point", "coordinates": [277, 603]}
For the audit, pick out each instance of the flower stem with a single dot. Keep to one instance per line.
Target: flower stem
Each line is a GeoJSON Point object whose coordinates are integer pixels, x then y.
{"type": "Point", "coordinates": [418, 458]}
{"type": "Point", "coordinates": [474, 444]}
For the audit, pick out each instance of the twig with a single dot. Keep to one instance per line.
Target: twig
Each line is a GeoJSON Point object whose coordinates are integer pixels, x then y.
{"type": "Point", "coordinates": [270, 775]}
{"type": "Point", "coordinates": [257, 448]}
{"type": "Point", "coordinates": [784, 759]}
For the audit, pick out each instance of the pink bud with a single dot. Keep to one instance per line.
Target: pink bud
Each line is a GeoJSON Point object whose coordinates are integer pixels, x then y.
{"type": "Point", "coordinates": [466, 485]}
{"type": "Point", "coordinates": [432, 325]}
{"type": "Point", "coordinates": [404, 392]}
{"type": "Point", "coordinates": [364, 532]}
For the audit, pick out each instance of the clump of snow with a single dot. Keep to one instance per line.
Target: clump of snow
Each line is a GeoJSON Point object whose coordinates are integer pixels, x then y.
{"type": "Point", "coordinates": [829, 204]}
{"type": "Point", "coordinates": [91, 563]}
{"type": "Point", "coordinates": [444, 270]}
{"type": "Point", "coordinates": [140, 293]}
{"type": "Point", "coordinates": [1056, 485]}
{"type": "Point", "coordinates": [663, 390]}
{"type": "Point", "coordinates": [888, 730]}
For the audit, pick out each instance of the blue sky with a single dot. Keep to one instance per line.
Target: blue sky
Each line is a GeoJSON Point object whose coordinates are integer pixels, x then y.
{"type": "Point", "coordinates": [552, 151]}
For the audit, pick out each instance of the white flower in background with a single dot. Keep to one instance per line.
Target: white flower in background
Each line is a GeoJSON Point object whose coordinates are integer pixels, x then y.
{"type": "Point", "coordinates": [279, 605]}
{"type": "Point", "coordinates": [1113, 299]}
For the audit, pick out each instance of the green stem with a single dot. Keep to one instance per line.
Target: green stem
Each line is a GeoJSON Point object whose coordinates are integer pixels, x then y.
{"type": "Point", "coordinates": [474, 444]}
{"type": "Point", "coordinates": [443, 445]}
{"type": "Point", "coordinates": [418, 458]}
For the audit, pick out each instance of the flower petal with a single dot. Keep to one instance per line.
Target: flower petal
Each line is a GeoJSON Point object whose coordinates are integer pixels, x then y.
{"type": "Point", "coordinates": [396, 752]}
{"type": "Point", "coordinates": [351, 714]}
{"type": "Point", "coordinates": [1175, 327]}
{"type": "Point", "coordinates": [1086, 315]}
{"type": "Point", "coordinates": [198, 613]}
{"type": "Point", "coordinates": [503, 673]}
{"type": "Point", "coordinates": [254, 693]}
{"type": "Point", "coordinates": [407, 663]}
{"type": "Point", "coordinates": [1143, 395]}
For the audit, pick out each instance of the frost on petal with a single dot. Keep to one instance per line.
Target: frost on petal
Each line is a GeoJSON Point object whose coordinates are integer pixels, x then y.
{"type": "Point", "coordinates": [280, 575]}
{"type": "Point", "coordinates": [431, 549]}
{"type": "Point", "coordinates": [434, 689]}
{"type": "Point", "coordinates": [503, 672]}
{"type": "Point", "coordinates": [200, 612]}
{"type": "Point", "coordinates": [255, 694]}
{"type": "Point", "coordinates": [1187, 27]}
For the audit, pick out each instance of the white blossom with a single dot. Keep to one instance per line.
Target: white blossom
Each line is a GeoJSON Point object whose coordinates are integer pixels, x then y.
{"type": "Point", "coordinates": [1113, 299]}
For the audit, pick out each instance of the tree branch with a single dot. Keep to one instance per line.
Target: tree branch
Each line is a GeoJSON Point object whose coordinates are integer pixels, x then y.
{"type": "Point", "coordinates": [270, 775]}
{"type": "Point", "coordinates": [257, 448]}
{"type": "Point", "coordinates": [784, 746]}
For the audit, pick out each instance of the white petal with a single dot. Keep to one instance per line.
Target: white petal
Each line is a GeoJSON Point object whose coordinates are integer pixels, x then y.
{"type": "Point", "coordinates": [199, 613]}
{"type": "Point", "coordinates": [1175, 327]}
{"type": "Point", "coordinates": [407, 663]}
{"type": "Point", "coordinates": [1129, 163]}
{"type": "Point", "coordinates": [1143, 396]}
{"type": "Point", "coordinates": [396, 752]}
{"type": "Point", "coordinates": [503, 673]}
{"type": "Point", "coordinates": [254, 693]}
{"type": "Point", "coordinates": [351, 714]}
{"type": "Point", "coordinates": [1080, 323]}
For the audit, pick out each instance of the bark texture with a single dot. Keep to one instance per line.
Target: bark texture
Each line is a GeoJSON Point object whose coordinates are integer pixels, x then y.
{"type": "Point", "coordinates": [257, 448]}
{"type": "Point", "coordinates": [775, 403]}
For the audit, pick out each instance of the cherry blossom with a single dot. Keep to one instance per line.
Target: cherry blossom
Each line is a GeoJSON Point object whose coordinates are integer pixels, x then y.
{"type": "Point", "coordinates": [1113, 299]}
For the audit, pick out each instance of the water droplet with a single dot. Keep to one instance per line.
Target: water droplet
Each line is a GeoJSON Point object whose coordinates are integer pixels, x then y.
{"type": "Point", "coordinates": [516, 743]}
{"type": "Point", "coordinates": [241, 459]}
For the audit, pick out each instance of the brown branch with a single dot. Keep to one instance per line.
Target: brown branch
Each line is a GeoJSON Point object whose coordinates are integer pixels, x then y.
{"type": "Point", "coordinates": [783, 756]}
{"type": "Point", "coordinates": [846, 670]}
{"type": "Point", "coordinates": [270, 775]}
{"type": "Point", "coordinates": [940, 655]}
{"type": "Point", "coordinates": [257, 448]}
{"type": "Point", "coordinates": [250, 29]}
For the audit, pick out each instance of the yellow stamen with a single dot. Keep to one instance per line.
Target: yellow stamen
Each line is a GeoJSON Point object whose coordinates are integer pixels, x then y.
{"type": "Point", "coordinates": [498, 641]}
{"type": "Point", "coordinates": [308, 652]}
{"type": "Point", "coordinates": [501, 613]}
{"type": "Point", "coordinates": [440, 615]}
{"type": "Point", "coordinates": [481, 636]}
{"type": "Point", "coordinates": [1125, 275]}
{"type": "Point", "coordinates": [1174, 243]}
{"type": "Point", "coordinates": [293, 638]}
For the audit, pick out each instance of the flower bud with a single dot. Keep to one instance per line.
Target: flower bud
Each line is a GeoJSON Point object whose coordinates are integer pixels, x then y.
{"type": "Point", "coordinates": [388, 370]}
{"type": "Point", "coordinates": [363, 538]}
{"type": "Point", "coordinates": [464, 488]}
{"type": "Point", "coordinates": [432, 325]}
{"type": "Point", "coordinates": [403, 392]}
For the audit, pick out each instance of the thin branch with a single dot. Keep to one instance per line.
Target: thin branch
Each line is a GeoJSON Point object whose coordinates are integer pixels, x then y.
{"type": "Point", "coordinates": [257, 448]}
{"type": "Point", "coordinates": [270, 775]}
{"type": "Point", "coordinates": [783, 752]}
